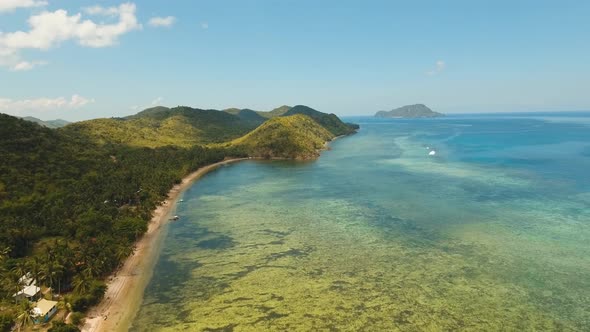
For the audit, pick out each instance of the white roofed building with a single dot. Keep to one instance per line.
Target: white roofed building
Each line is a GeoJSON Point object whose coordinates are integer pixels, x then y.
{"type": "Point", "coordinates": [43, 311]}
{"type": "Point", "coordinates": [28, 292]}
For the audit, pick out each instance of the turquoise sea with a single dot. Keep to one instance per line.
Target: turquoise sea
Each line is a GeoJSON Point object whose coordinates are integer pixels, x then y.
{"type": "Point", "coordinates": [492, 233]}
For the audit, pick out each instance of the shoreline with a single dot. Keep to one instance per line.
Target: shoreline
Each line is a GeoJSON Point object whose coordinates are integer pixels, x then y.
{"type": "Point", "coordinates": [125, 287]}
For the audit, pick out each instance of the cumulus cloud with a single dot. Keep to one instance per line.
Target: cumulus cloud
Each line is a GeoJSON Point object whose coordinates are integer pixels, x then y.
{"type": "Point", "coordinates": [162, 21]}
{"type": "Point", "coordinates": [204, 25]}
{"type": "Point", "coordinates": [104, 11]}
{"type": "Point", "coordinates": [49, 29]}
{"type": "Point", "coordinates": [27, 65]}
{"type": "Point", "coordinates": [10, 5]}
{"type": "Point", "coordinates": [157, 101]}
{"type": "Point", "coordinates": [439, 66]}
{"type": "Point", "coordinates": [43, 104]}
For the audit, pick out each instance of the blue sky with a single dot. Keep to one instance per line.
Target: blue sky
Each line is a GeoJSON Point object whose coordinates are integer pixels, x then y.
{"type": "Point", "coordinates": [345, 57]}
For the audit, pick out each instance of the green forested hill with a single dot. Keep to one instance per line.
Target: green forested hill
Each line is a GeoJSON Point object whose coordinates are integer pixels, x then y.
{"type": "Point", "coordinates": [73, 200]}
{"type": "Point", "coordinates": [329, 121]}
{"type": "Point", "coordinates": [49, 177]}
{"type": "Point", "coordinates": [185, 127]}
{"type": "Point", "coordinates": [275, 112]}
{"type": "Point", "coordinates": [247, 115]}
{"type": "Point", "coordinates": [71, 209]}
{"type": "Point", "coordinates": [296, 136]}
{"type": "Point", "coordinates": [180, 126]}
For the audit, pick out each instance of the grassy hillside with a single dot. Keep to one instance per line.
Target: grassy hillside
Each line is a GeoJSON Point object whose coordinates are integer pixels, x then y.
{"type": "Point", "coordinates": [186, 127]}
{"type": "Point", "coordinates": [296, 137]}
{"type": "Point", "coordinates": [247, 115]}
{"type": "Point", "coordinates": [329, 121]}
{"type": "Point", "coordinates": [161, 126]}
{"type": "Point", "coordinates": [275, 112]}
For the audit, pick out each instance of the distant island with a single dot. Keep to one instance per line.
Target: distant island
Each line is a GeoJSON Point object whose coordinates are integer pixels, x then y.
{"type": "Point", "coordinates": [409, 112]}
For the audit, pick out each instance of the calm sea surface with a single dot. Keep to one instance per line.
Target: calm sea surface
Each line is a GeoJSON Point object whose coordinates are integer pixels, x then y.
{"type": "Point", "coordinates": [491, 233]}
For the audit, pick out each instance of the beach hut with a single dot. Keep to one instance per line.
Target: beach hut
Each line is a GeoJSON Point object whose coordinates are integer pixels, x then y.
{"type": "Point", "coordinates": [29, 292]}
{"type": "Point", "coordinates": [43, 311]}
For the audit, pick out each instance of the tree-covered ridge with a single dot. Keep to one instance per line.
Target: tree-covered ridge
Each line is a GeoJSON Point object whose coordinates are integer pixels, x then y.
{"type": "Point", "coordinates": [185, 127]}
{"type": "Point", "coordinates": [329, 121]}
{"type": "Point", "coordinates": [156, 127]}
{"type": "Point", "coordinates": [247, 115]}
{"type": "Point", "coordinates": [295, 137]}
{"type": "Point", "coordinates": [281, 110]}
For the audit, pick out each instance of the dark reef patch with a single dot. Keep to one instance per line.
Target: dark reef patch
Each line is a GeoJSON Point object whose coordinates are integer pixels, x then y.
{"type": "Point", "coordinates": [226, 328]}
{"type": "Point", "coordinates": [297, 253]}
{"type": "Point", "coordinates": [278, 234]}
{"type": "Point", "coordinates": [217, 243]}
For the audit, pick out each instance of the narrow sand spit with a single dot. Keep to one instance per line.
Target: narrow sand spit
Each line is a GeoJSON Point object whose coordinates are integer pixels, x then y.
{"type": "Point", "coordinates": [126, 286]}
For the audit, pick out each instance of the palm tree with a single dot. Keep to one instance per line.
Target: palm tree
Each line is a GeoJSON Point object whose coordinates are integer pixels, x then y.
{"type": "Point", "coordinates": [51, 268]}
{"type": "Point", "coordinates": [50, 275]}
{"type": "Point", "coordinates": [4, 274]}
{"type": "Point", "coordinates": [16, 284]}
{"type": "Point", "coordinates": [20, 269]}
{"type": "Point", "coordinates": [58, 275]}
{"type": "Point", "coordinates": [16, 273]}
{"type": "Point", "coordinates": [122, 253]}
{"type": "Point", "coordinates": [36, 268]}
{"type": "Point", "coordinates": [4, 253]}
{"type": "Point", "coordinates": [23, 320]}
{"type": "Point", "coordinates": [62, 258]}
{"type": "Point", "coordinates": [81, 283]}
{"type": "Point", "coordinates": [10, 283]}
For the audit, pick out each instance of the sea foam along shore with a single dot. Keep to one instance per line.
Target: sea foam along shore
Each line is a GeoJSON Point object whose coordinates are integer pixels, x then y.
{"type": "Point", "coordinates": [126, 286]}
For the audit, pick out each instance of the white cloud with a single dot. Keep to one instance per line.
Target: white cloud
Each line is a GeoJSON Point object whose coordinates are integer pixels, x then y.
{"type": "Point", "coordinates": [440, 65]}
{"type": "Point", "coordinates": [49, 29]}
{"type": "Point", "coordinates": [10, 5]}
{"type": "Point", "coordinates": [79, 101]}
{"type": "Point", "coordinates": [27, 65]}
{"type": "Point", "coordinates": [43, 104]}
{"type": "Point", "coordinates": [204, 25]}
{"type": "Point", "coordinates": [162, 21]}
{"type": "Point", "coordinates": [157, 101]}
{"type": "Point", "coordinates": [99, 10]}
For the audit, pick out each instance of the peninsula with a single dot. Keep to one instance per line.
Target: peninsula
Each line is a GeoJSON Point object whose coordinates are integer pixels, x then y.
{"type": "Point", "coordinates": [409, 112]}
{"type": "Point", "coordinates": [75, 200]}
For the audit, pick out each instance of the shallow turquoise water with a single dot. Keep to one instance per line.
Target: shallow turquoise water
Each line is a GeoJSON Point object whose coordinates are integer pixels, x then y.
{"type": "Point", "coordinates": [491, 233]}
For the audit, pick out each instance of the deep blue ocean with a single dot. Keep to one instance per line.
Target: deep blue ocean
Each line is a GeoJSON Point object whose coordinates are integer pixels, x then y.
{"type": "Point", "coordinates": [491, 232]}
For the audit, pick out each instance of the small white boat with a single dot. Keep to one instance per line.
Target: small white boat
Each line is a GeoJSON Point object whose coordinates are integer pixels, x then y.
{"type": "Point", "coordinates": [432, 153]}
{"type": "Point", "coordinates": [181, 200]}
{"type": "Point", "coordinates": [175, 218]}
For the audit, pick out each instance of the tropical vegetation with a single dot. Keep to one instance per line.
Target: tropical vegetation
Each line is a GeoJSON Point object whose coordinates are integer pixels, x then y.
{"type": "Point", "coordinates": [74, 200]}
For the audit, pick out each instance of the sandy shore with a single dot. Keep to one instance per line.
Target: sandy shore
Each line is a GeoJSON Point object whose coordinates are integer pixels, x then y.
{"type": "Point", "coordinates": [126, 286]}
